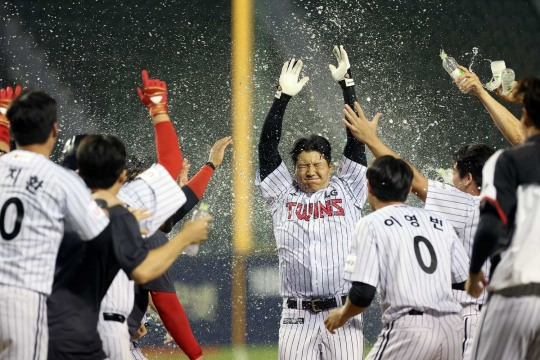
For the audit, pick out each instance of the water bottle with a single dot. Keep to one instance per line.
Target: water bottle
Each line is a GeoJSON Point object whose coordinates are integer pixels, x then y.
{"type": "Point", "coordinates": [507, 77]}
{"type": "Point", "coordinates": [451, 66]}
{"type": "Point", "coordinates": [497, 68]}
{"type": "Point", "coordinates": [202, 211]}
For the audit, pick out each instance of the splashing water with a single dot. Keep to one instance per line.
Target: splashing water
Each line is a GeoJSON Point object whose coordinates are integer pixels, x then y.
{"type": "Point", "coordinates": [475, 53]}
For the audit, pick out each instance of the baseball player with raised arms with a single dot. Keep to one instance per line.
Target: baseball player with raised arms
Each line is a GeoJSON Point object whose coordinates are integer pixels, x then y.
{"type": "Point", "coordinates": [143, 192]}
{"type": "Point", "coordinates": [508, 233]}
{"type": "Point", "coordinates": [458, 204]}
{"type": "Point", "coordinates": [314, 214]}
{"type": "Point", "coordinates": [39, 200]}
{"type": "Point", "coordinates": [413, 257]}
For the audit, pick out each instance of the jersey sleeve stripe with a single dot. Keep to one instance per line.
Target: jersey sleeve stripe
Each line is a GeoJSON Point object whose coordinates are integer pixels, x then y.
{"type": "Point", "coordinates": [497, 207]}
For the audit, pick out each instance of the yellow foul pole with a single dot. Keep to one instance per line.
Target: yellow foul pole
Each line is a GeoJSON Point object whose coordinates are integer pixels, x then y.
{"type": "Point", "coordinates": [242, 94]}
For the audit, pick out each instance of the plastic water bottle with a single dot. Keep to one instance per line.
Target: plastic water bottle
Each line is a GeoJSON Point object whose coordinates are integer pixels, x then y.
{"type": "Point", "coordinates": [451, 66]}
{"type": "Point", "coordinates": [507, 77]}
{"type": "Point", "coordinates": [497, 68]}
{"type": "Point", "coordinates": [202, 211]}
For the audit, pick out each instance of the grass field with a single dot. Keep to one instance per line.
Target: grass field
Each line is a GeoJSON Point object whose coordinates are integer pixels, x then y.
{"type": "Point", "coordinates": [251, 352]}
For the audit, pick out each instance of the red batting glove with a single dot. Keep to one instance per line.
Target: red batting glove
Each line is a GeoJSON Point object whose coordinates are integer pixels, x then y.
{"type": "Point", "coordinates": [153, 95]}
{"type": "Point", "coordinates": [6, 97]}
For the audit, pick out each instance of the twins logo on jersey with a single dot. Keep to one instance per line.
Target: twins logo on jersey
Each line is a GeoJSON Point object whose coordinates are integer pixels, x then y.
{"type": "Point", "coordinates": [315, 210]}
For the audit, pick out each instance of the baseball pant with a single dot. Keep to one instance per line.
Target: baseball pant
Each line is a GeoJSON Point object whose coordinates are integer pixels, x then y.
{"type": "Point", "coordinates": [136, 351]}
{"type": "Point", "coordinates": [303, 336]}
{"type": "Point", "coordinates": [23, 324]}
{"type": "Point", "coordinates": [115, 338]}
{"type": "Point", "coordinates": [430, 336]}
{"type": "Point", "coordinates": [471, 318]}
{"type": "Point", "coordinates": [509, 329]}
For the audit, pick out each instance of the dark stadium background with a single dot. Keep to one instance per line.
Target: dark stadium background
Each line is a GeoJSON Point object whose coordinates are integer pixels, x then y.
{"type": "Point", "coordinates": [89, 54]}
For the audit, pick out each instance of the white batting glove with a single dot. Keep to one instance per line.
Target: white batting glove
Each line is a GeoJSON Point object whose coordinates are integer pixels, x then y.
{"type": "Point", "coordinates": [288, 80]}
{"type": "Point", "coordinates": [342, 70]}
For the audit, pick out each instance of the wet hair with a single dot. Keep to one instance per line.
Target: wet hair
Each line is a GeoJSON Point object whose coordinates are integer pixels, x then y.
{"type": "Point", "coordinates": [313, 143]}
{"type": "Point", "coordinates": [32, 116]}
{"type": "Point", "coordinates": [101, 160]}
{"type": "Point", "coordinates": [471, 159]}
{"type": "Point", "coordinates": [390, 179]}
{"type": "Point", "coordinates": [529, 89]}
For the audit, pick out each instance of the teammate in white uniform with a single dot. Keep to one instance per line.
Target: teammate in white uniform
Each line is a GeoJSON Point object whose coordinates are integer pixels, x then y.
{"type": "Point", "coordinates": [313, 218]}
{"type": "Point", "coordinates": [459, 204]}
{"type": "Point", "coordinates": [413, 257]}
{"type": "Point", "coordinates": [38, 201]}
{"type": "Point", "coordinates": [152, 190]}
{"type": "Point", "coordinates": [507, 232]}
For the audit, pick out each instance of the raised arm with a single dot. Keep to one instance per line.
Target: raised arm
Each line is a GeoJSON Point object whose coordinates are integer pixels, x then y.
{"type": "Point", "coordinates": [366, 132]}
{"type": "Point", "coordinates": [507, 123]}
{"type": "Point", "coordinates": [289, 86]}
{"type": "Point", "coordinates": [195, 188]}
{"type": "Point", "coordinates": [153, 95]}
{"type": "Point", "coordinates": [354, 149]}
{"type": "Point", "coordinates": [6, 97]}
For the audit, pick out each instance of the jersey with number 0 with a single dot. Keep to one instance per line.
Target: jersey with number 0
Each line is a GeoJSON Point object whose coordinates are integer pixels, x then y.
{"type": "Point", "coordinates": [313, 231]}
{"type": "Point", "coordinates": [156, 191]}
{"type": "Point", "coordinates": [412, 256]}
{"type": "Point", "coordinates": [38, 201]}
{"type": "Point", "coordinates": [462, 211]}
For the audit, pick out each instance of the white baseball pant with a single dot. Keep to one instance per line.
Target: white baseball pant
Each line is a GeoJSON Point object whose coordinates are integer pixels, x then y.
{"type": "Point", "coordinates": [23, 324]}
{"type": "Point", "coordinates": [429, 336]}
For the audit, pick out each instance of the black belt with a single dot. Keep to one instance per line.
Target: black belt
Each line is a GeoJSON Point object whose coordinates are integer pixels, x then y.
{"type": "Point", "coordinates": [316, 305]}
{"type": "Point", "coordinates": [114, 317]}
{"type": "Point", "coordinates": [415, 312]}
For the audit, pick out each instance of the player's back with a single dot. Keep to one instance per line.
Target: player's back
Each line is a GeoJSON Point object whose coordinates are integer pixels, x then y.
{"type": "Point", "coordinates": [417, 255]}
{"type": "Point", "coordinates": [38, 199]}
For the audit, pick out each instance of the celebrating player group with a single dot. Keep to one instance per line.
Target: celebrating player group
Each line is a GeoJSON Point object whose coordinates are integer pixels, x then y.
{"type": "Point", "coordinates": [84, 245]}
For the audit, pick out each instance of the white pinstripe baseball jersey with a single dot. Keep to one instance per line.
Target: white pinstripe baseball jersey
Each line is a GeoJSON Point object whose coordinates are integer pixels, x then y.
{"type": "Point", "coordinates": [412, 256]}
{"type": "Point", "coordinates": [38, 201]}
{"type": "Point", "coordinates": [462, 211]}
{"type": "Point", "coordinates": [313, 230]}
{"type": "Point", "coordinates": [156, 191]}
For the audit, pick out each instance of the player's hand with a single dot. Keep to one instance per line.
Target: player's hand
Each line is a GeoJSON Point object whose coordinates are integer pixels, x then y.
{"type": "Point", "coordinates": [288, 80]}
{"type": "Point", "coordinates": [470, 83]}
{"type": "Point", "coordinates": [217, 152]}
{"type": "Point", "coordinates": [512, 97]}
{"type": "Point", "coordinates": [196, 231]}
{"type": "Point", "coordinates": [6, 97]}
{"type": "Point", "coordinates": [362, 129]}
{"type": "Point", "coordinates": [335, 320]}
{"type": "Point", "coordinates": [476, 283]}
{"type": "Point", "coordinates": [183, 177]}
{"type": "Point", "coordinates": [140, 332]}
{"type": "Point", "coordinates": [343, 70]}
{"type": "Point", "coordinates": [153, 95]}
{"type": "Point", "coordinates": [168, 339]}
{"type": "Point", "coordinates": [140, 215]}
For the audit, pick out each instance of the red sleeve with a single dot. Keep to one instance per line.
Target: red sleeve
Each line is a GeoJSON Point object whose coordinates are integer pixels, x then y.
{"type": "Point", "coordinates": [200, 181]}
{"type": "Point", "coordinates": [4, 134]}
{"type": "Point", "coordinates": [174, 318]}
{"type": "Point", "coordinates": [168, 150]}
